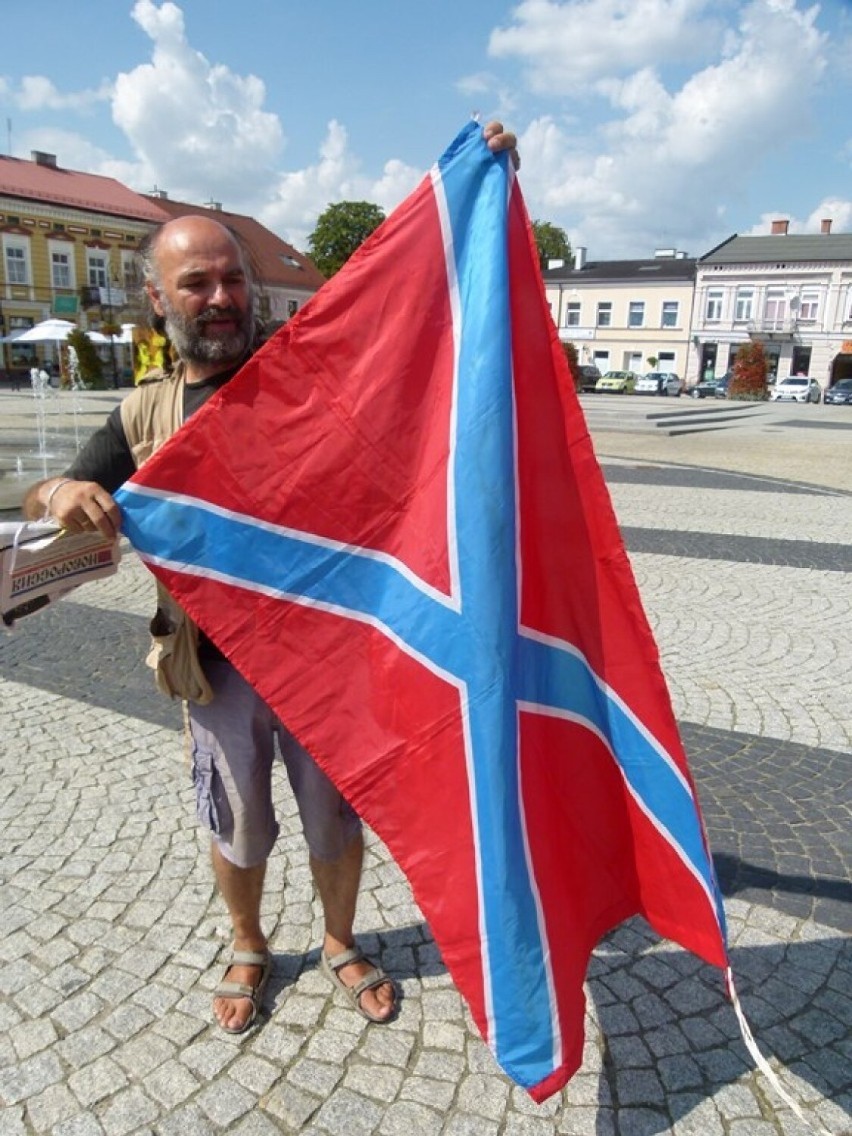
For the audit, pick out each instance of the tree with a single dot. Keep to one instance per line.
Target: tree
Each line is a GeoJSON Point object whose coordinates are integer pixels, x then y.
{"type": "Point", "coordinates": [91, 368]}
{"type": "Point", "coordinates": [552, 242]}
{"type": "Point", "coordinates": [341, 228]}
{"type": "Point", "coordinates": [749, 378]}
{"type": "Point", "coordinates": [573, 364]}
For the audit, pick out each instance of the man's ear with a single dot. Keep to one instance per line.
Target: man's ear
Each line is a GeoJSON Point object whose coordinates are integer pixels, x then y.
{"type": "Point", "coordinates": [154, 297]}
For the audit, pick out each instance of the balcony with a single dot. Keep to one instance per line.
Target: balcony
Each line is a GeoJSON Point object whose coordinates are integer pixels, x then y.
{"type": "Point", "coordinates": [773, 328]}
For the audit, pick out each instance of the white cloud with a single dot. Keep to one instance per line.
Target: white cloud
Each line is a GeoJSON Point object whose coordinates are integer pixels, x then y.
{"type": "Point", "coordinates": [200, 126]}
{"type": "Point", "coordinates": [834, 209]}
{"type": "Point", "coordinates": [566, 46]}
{"type": "Point", "coordinates": [38, 93]}
{"type": "Point", "coordinates": [661, 168]}
{"type": "Point", "coordinates": [479, 84]}
{"type": "Point", "coordinates": [300, 196]}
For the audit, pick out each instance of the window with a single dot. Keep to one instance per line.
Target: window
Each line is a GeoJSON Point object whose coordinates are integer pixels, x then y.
{"type": "Point", "coordinates": [745, 302]}
{"type": "Point", "coordinates": [17, 269]}
{"type": "Point", "coordinates": [97, 268]}
{"type": "Point", "coordinates": [572, 315]}
{"type": "Point", "coordinates": [636, 314]}
{"type": "Point", "coordinates": [60, 270]}
{"type": "Point", "coordinates": [776, 306]}
{"type": "Point", "coordinates": [604, 315]}
{"type": "Point", "coordinates": [671, 310]}
{"type": "Point", "coordinates": [809, 305]}
{"type": "Point", "coordinates": [713, 311]}
{"type": "Point", "coordinates": [292, 308]}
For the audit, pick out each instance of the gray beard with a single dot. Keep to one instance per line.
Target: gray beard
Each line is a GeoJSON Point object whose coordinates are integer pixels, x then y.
{"type": "Point", "coordinates": [193, 346]}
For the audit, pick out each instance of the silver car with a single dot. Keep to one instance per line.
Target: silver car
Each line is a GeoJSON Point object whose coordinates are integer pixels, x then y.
{"type": "Point", "coordinates": [659, 382]}
{"type": "Point", "coordinates": [796, 388]}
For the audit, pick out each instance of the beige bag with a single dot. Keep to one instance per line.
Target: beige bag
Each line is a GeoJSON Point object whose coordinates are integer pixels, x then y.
{"type": "Point", "coordinates": [174, 653]}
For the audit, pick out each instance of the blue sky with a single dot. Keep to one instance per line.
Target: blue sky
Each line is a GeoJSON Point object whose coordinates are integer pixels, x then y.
{"type": "Point", "coordinates": [642, 123]}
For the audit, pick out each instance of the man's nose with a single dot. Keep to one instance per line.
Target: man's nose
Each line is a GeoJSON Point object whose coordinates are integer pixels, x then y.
{"type": "Point", "coordinates": [220, 297]}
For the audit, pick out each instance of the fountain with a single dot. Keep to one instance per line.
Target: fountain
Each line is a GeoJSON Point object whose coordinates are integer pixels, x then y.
{"type": "Point", "coordinates": [58, 423]}
{"type": "Point", "coordinates": [41, 384]}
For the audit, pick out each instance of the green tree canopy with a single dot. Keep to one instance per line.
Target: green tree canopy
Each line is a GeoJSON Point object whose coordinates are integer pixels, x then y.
{"type": "Point", "coordinates": [341, 228]}
{"type": "Point", "coordinates": [552, 242]}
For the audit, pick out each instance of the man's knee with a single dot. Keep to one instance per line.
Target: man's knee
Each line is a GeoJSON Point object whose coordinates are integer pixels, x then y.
{"type": "Point", "coordinates": [329, 834]}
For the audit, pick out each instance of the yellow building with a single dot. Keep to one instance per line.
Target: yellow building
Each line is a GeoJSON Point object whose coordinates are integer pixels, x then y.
{"type": "Point", "coordinates": [620, 314]}
{"type": "Point", "coordinates": [68, 249]}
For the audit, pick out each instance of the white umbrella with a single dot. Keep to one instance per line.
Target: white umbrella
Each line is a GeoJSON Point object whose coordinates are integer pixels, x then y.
{"type": "Point", "coordinates": [48, 331]}
{"type": "Point", "coordinates": [55, 331]}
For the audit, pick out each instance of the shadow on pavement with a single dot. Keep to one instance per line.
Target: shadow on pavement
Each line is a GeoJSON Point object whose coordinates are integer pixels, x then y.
{"type": "Point", "coordinates": [92, 655]}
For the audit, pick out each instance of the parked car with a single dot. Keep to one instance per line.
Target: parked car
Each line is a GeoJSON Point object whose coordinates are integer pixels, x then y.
{"type": "Point", "coordinates": [796, 388]}
{"type": "Point", "coordinates": [840, 393]}
{"type": "Point", "coordinates": [722, 384]}
{"type": "Point", "coordinates": [589, 375]}
{"type": "Point", "coordinates": [706, 388]}
{"type": "Point", "coordinates": [659, 382]}
{"type": "Point", "coordinates": [617, 382]}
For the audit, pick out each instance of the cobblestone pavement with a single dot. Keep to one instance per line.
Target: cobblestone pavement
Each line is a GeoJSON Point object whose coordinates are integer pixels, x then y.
{"type": "Point", "coordinates": [111, 930]}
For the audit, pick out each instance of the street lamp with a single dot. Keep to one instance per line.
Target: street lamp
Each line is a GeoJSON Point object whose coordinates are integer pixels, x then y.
{"type": "Point", "coordinates": [111, 331]}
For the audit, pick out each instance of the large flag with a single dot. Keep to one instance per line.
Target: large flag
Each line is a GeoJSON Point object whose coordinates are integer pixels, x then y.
{"type": "Point", "coordinates": [393, 523]}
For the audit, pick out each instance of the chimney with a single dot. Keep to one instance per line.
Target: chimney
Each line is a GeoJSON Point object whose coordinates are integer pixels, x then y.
{"type": "Point", "coordinates": [779, 228]}
{"type": "Point", "coordinates": [42, 159]}
{"type": "Point", "coordinates": [557, 262]}
{"type": "Point", "coordinates": [825, 225]}
{"type": "Point", "coordinates": [579, 258]}
{"type": "Point", "coordinates": [216, 206]}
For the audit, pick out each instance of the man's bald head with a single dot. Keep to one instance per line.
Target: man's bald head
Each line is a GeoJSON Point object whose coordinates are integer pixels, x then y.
{"type": "Point", "coordinates": [198, 280]}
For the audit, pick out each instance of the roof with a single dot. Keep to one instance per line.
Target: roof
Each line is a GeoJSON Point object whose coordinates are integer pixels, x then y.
{"type": "Point", "coordinates": [276, 263]}
{"type": "Point", "coordinates": [666, 268]}
{"type": "Point", "coordinates": [53, 185]}
{"type": "Point", "coordinates": [781, 248]}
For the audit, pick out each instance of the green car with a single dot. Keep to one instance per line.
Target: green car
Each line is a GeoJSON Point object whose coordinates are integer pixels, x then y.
{"type": "Point", "coordinates": [616, 382]}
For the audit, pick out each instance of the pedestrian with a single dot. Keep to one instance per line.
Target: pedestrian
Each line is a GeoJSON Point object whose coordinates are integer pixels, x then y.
{"type": "Point", "coordinates": [198, 281]}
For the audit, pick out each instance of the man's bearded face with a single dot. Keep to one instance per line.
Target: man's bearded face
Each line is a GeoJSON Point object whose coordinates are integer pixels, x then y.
{"type": "Point", "coordinates": [197, 342]}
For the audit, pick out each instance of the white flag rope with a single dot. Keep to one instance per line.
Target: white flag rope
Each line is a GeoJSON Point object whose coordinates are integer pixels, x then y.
{"type": "Point", "coordinates": [761, 1062]}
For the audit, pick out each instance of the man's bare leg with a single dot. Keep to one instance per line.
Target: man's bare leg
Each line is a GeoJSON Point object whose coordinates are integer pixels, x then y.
{"type": "Point", "coordinates": [242, 890]}
{"type": "Point", "coordinates": [337, 882]}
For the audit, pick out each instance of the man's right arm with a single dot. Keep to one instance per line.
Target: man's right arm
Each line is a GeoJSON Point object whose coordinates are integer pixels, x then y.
{"type": "Point", "coordinates": [81, 499]}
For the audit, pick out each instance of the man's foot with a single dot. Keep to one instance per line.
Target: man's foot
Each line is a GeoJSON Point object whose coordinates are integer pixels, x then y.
{"type": "Point", "coordinates": [366, 985]}
{"type": "Point", "coordinates": [238, 997]}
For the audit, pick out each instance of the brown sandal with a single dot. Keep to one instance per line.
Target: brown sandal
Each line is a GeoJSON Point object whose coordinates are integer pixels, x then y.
{"type": "Point", "coordinates": [373, 978]}
{"type": "Point", "coordinates": [227, 989]}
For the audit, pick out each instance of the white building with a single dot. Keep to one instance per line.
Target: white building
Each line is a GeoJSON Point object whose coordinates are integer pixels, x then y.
{"type": "Point", "coordinates": [619, 314]}
{"type": "Point", "coordinates": [792, 292]}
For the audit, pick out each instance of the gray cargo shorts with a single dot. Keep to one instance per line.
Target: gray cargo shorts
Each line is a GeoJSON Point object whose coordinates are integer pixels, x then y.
{"type": "Point", "coordinates": [233, 745]}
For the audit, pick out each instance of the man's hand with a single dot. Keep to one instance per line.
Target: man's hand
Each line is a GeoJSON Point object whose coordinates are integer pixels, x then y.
{"type": "Point", "coordinates": [500, 139]}
{"type": "Point", "coordinates": [78, 506]}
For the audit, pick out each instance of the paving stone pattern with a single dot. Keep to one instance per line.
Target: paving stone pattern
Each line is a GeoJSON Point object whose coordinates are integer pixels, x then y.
{"type": "Point", "coordinates": [111, 929]}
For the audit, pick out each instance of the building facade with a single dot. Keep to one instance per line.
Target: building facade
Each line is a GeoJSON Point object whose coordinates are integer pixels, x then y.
{"type": "Point", "coordinates": [621, 314]}
{"type": "Point", "coordinates": [68, 249]}
{"type": "Point", "coordinates": [791, 292]}
{"type": "Point", "coordinates": [68, 244]}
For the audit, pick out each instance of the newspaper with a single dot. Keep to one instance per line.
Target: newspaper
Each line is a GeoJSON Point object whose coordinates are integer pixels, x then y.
{"type": "Point", "coordinates": [40, 563]}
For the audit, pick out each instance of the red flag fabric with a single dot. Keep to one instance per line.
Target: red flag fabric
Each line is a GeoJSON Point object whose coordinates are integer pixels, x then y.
{"type": "Point", "coordinates": [393, 523]}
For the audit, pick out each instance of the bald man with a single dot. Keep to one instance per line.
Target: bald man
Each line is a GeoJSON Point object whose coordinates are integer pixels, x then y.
{"type": "Point", "coordinates": [198, 282]}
